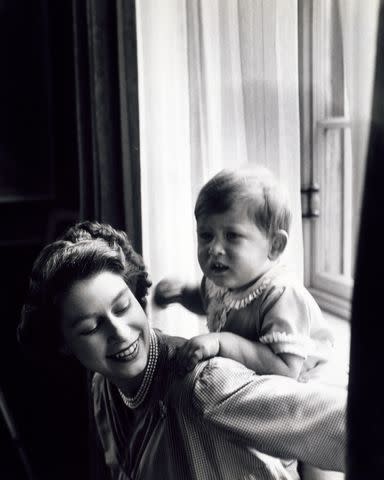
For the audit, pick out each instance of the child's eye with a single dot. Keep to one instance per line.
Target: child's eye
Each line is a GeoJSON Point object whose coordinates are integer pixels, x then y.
{"type": "Point", "coordinates": [232, 236]}
{"type": "Point", "coordinates": [205, 236]}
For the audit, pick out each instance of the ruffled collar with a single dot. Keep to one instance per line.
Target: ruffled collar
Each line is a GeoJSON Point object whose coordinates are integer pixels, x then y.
{"type": "Point", "coordinates": [222, 300]}
{"type": "Point", "coordinates": [234, 299]}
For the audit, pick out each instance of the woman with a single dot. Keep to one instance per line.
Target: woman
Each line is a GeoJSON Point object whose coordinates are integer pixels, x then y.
{"type": "Point", "coordinates": [87, 297]}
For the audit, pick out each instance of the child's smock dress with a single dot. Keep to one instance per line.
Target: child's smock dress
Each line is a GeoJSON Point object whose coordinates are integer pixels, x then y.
{"type": "Point", "coordinates": [275, 310]}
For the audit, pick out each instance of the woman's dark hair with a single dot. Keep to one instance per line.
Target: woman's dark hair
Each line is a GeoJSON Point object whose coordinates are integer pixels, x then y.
{"type": "Point", "coordinates": [256, 188]}
{"type": "Point", "coordinates": [86, 249]}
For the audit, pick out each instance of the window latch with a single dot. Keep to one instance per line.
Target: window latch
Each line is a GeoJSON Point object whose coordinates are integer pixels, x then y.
{"type": "Point", "coordinates": [310, 201]}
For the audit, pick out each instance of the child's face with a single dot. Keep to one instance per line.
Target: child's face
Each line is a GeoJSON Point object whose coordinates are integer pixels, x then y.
{"type": "Point", "coordinates": [232, 250]}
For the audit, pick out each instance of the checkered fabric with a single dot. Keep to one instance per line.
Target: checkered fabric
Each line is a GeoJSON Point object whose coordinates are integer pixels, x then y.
{"type": "Point", "coordinates": [221, 421]}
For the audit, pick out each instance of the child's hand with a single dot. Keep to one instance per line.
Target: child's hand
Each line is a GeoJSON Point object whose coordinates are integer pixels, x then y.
{"type": "Point", "coordinates": [197, 349]}
{"type": "Point", "coordinates": [168, 290]}
{"type": "Point", "coordinates": [172, 290]}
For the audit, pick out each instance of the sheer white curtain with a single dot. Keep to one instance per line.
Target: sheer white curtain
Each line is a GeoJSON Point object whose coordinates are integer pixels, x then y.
{"type": "Point", "coordinates": [218, 88]}
{"type": "Point", "coordinates": [359, 31]}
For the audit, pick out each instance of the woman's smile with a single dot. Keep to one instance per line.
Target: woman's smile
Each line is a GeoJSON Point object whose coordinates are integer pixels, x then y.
{"type": "Point", "coordinates": [126, 354]}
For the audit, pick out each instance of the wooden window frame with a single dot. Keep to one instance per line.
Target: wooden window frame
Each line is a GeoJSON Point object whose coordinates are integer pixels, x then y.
{"type": "Point", "coordinates": [332, 292]}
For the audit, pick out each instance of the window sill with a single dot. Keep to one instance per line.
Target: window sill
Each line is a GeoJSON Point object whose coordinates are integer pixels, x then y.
{"type": "Point", "coordinates": [337, 307]}
{"type": "Point", "coordinates": [341, 329]}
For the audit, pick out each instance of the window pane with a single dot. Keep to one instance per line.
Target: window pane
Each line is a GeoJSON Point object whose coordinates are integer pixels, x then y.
{"type": "Point", "coordinates": [334, 68]}
{"type": "Point", "coordinates": [334, 226]}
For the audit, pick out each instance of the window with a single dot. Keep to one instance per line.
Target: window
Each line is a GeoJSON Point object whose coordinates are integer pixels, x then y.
{"type": "Point", "coordinates": [331, 181]}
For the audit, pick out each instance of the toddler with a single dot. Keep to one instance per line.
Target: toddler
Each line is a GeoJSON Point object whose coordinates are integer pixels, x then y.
{"type": "Point", "coordinates": [257, 312]}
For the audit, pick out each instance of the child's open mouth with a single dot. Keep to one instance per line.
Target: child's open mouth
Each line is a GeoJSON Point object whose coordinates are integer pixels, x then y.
{"type": "Point", "coordinates": [217, 267]}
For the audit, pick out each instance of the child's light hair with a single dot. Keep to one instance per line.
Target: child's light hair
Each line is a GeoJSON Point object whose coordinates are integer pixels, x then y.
{"type": "Point", "coordinates": [256, 188]}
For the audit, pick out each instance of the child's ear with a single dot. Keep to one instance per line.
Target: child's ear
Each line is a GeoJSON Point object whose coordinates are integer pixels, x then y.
{"type": "Point", "coordinates": [278, 244]}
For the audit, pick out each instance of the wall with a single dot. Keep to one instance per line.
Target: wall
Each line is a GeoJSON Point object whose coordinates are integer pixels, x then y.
{"type": "Point", "coordinates": [38, 197]}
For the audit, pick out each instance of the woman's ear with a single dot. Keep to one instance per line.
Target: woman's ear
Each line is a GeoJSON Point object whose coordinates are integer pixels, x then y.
{"type": "Point", "coordinates": [278, 244]}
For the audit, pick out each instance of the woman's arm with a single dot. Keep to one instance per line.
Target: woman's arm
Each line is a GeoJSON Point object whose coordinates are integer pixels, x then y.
{"type": "Point", "coordinates": [276, 415]}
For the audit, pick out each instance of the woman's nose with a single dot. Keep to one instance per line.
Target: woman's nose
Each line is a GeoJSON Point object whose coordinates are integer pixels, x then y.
{"type": "Point", "coordinates": [117, 329]}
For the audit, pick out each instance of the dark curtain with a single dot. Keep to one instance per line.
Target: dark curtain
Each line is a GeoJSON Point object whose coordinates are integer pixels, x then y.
{"type": "Point", "coordinates": [366, 392]}
{"type": "Point", "coordinates": [107, 122]}
{"type": "Point", "coordinates": [107, 113]}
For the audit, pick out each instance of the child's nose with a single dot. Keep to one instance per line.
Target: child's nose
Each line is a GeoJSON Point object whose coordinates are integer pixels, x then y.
{"type": "Point", "coordinates": [216, 248]}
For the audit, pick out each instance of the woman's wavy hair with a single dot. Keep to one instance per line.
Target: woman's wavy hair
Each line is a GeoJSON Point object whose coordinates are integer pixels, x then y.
{"type": "Point", "coordinates": [86, 249]}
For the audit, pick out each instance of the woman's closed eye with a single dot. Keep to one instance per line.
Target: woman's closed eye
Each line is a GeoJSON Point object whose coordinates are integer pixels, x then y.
{"type": "Point", "coordinates": [120, 309]}
{"type": "Point", "coordinates": [91, 326]}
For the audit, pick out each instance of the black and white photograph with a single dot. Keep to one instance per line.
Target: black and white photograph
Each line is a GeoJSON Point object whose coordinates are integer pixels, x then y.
{"type": "Point", "coordinates": [191, 200]}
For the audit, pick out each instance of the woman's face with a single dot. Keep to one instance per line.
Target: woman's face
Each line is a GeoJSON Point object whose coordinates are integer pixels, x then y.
{"type": "Point", "coordinates": [104, 326]}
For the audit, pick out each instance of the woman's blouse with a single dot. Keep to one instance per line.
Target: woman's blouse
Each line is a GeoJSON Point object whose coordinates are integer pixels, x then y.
{"type": "Point", "coordinates": [207, 424]}
{"type": "Point", "coordinates": [275, 310]}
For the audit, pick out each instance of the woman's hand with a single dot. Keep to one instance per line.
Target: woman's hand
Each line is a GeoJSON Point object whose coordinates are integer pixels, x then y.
{"type": "Point", "coordinates": [197, 349]}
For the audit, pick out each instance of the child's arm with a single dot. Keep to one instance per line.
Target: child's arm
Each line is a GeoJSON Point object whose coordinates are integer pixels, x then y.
{"type": "Point", "coordinates": [169, 291]}
{"type": "Point", "coordinates": [254, 355]}
{"type": "Point", "coordinates": [259, 357]}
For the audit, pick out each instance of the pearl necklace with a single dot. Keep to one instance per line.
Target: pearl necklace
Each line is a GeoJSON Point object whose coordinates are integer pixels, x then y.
{"type": "Point", "coordinates": [134, 402]}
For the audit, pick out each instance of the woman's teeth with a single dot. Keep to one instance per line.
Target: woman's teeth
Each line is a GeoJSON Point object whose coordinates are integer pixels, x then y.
{"type": "Point", "coordinates": [127, 353]}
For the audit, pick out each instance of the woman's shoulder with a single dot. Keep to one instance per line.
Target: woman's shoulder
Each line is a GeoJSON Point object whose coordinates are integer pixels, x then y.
{"type": "Point", "coordinates": [97, 381]}
{"type": "Point", "coordinates": [100, 396]}
{"type": "Point", "coordinates": [211, 380]}
{"type": "Point", "coordinates": [99, 387]}
{"type": "Point", "coordinates": [171, 342]}
{"type": "Point", "coordinates": [206, 380]}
